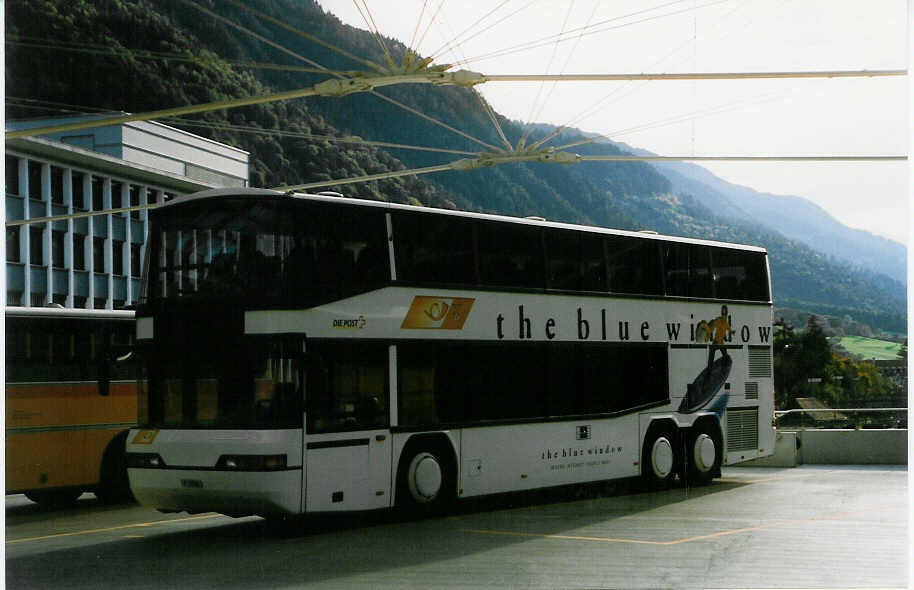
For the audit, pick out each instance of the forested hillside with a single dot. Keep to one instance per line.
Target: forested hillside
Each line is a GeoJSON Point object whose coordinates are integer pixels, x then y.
{"type": "Point", "coordinates": [145, 55]}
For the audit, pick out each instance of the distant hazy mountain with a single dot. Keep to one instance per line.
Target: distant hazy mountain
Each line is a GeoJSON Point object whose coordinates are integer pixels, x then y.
{"type": "Point", "coordinates": [797, 218]}
{"type": "Point", "coordinates": [794, 217]}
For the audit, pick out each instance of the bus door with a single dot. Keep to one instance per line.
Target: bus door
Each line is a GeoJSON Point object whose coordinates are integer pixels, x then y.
{"type": "Point", "coordinates": [347, 438]}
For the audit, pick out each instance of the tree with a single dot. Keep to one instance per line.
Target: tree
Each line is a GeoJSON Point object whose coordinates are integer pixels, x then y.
{"type": "Point", "coordinates": [816, 349]}
{"type": "Point", "coordinates": [844, 382]}
{"type": "Point", "coordinates": [787, 352]}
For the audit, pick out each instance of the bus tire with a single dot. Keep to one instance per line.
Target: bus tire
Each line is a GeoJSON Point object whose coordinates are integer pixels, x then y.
{"type": "Point", "coordinates": [59, 498]}
{"type": "Point", "coordinates": [114, 485]}
{"type": "Point", "coordinates": [704, 452]}
{"type": "Point", "coordinates": [426, 478]}
{"type": "Point", "coordinates": [660, 455]}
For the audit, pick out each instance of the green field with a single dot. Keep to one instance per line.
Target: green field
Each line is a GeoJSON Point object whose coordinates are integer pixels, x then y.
{"type": "Point", "coordinates": [868, 348]}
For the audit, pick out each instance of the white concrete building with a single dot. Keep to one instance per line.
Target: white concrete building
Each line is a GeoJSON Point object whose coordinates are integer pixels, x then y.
{"type": "Point", "coordinates": [95, 262]}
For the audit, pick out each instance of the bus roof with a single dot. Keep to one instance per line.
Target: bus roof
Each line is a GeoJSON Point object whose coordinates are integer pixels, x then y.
{"type": "Point", "coordinates": [71, 313]}
{"type": "Point", "coordinates": [537, 221]}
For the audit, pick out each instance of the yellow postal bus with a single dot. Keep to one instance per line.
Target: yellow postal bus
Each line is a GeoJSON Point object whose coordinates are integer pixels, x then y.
{"type": "Point", "coordinates": [67, 413]}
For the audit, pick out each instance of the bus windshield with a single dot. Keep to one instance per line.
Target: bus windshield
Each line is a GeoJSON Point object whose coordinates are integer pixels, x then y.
{"type": "Point", "coordinates": [265, 252]}
{"type": "Point", "coordinates": [205, 379]}
{"type": "Point", "coordinates": [214, 251]}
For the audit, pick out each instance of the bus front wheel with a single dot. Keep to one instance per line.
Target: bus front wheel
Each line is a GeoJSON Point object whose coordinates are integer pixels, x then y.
{"type": "Point", "coordinates": [114, 486]}
{"type": "Point", "coordinates": [660, 456]}
{"type": "Point", "coordinates": [426, 480]}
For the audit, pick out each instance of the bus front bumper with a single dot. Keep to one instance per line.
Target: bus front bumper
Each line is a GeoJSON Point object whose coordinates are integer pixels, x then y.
{"type": "Point", "coordinates": [233, 493]}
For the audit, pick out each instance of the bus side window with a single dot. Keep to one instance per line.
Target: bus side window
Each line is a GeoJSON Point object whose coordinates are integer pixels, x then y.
{"type": "Point", "coordinates": [688, 270]}
{"type": "Point", "coordinates": [434, 250]}
{"type": "Point", "coordinates": [633, 266]}
{"type": "Point", "coordinates": [755, 287]}
{"type": "Point", "coordinates": [739, 275]}
{"type": "Point", "coordinates": [279, 383]}
{"type": "Point", "coordinates": [574, 261]}
{"type": "Point", "coordinates": [510, 256]}
{"type": "Point", "coordinates": [83, 351]}
{"type": "Point", "coordinates": [347, 388]}
{"type": "Point", "coordinates": [16, 350]}
{"type": "Point", "coordinates": [333, 253]}
{"type": "Point", "coordinates": [418, 403]}
{"type": "Point", "coordinates": [563, 251]}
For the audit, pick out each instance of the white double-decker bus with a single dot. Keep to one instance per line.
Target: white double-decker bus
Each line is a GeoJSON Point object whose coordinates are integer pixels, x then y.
{"type": "Point", "coordinates": [309, 353]}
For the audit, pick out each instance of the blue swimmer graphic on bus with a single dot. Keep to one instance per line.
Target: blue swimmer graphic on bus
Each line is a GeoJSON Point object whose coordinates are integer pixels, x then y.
{"type": "Point", "coordinates": [709, 382]}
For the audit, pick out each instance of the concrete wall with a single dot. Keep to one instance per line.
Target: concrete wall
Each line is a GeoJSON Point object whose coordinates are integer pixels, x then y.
{"type": "Point", "coordinates": [785, 452]}
{"type": "Point", "coordinates": [853, 447]}
{"type": "Point", "coordinates": [837, 447]}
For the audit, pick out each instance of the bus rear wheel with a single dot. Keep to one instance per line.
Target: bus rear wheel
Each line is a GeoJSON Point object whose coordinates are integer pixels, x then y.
{"type": "Point", "coordinates": [703, 449]}
{"type": "Point", "coordinates": [54, 498]}
{"type": "Point", "coordinates": [660, 458]}
{"type": "Point", "coordinates": [426, 480]}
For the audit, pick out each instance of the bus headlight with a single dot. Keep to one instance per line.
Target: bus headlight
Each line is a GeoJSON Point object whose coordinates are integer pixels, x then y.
{"type": "Point", "coordinates": [145, 461]}
{"type": "Point", "coordinates": [252, 462]}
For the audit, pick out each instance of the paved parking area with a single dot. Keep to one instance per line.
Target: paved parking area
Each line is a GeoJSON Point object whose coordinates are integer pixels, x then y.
{"type": "Point", "coordinates": [808, 527]}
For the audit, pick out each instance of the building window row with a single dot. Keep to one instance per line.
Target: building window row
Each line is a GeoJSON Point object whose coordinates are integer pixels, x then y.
{"type": "Point", "coordinates": [57, 254]}
{"type": "Point", "coordinates": [51, 262]}
{"type": "Point", "coordinates": [29, 181]}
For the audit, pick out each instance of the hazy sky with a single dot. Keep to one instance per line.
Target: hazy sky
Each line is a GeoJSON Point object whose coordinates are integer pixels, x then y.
{"type": "Point", "coordinates": [866, 116]}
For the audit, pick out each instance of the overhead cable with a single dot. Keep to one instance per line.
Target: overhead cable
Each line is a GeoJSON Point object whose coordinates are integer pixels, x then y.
{"type": "Point", "coordinates": [373, 28]}
{"type": "Point", "coordinates": [295, 31]}
{"type": "Point", "coordinates": [108, 51]}
{"type": "Point", "coordinates": [331, 138]}
{"type": "Point", "coordinates": [353, 86]}
{"type": "Point", "coordinates": [692, 76]}
{"type": "Point", "coordinates": [410, 48]}
{"type": "Point", "coordinates": [456, 39]}
{"type": "Point", "coordinates": [567, 35]}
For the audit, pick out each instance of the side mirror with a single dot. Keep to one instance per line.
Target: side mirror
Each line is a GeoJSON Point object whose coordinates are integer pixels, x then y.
{"type": "Point", "coordinates": [111, 356]}
{"type": "Point", "coordinates": [104, 376]}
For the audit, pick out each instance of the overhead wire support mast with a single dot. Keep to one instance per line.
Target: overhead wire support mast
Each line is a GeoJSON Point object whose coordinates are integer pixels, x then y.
{"type": "Point", "coordinates": [334, 87]}
{"type": "Point", "coordinates": [741, 158]}
{"type": "Point", "coordinates": [364, 82]}
{"type": "Point", "coordinates": [690, 76]}
{"type": "Point", "coordinates": [486, 160]}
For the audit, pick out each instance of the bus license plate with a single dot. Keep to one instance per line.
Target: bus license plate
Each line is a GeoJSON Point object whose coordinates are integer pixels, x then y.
{"type": "Point", "coordinates": [191, 483]}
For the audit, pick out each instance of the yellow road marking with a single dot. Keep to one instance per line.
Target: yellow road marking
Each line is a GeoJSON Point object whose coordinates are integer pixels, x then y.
{"type": "Point", "coordinates": [562, 537]}
{"type": "Point", "coordinates": [727, 533]}
{"type": "Point", "coordinates": [642, 541]}
{"type": "Point", "coordinates": [772, 478]}
{"type": "Point", "coordinates": [110, 529]}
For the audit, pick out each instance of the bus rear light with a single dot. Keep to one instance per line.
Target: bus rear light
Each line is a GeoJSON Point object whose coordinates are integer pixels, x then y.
{"type": "Point", "coordinates": [145, 461]}
{"type": "Point", "coordinates": [252, 462]}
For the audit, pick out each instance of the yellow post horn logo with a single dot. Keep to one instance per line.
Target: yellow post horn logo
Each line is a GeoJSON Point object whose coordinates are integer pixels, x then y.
{"type": "Point", "coordinates": [437, 313]}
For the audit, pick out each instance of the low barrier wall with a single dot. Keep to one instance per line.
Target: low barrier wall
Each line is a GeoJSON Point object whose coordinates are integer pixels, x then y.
{"type": "Point", "coordinates": [837, 447]}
